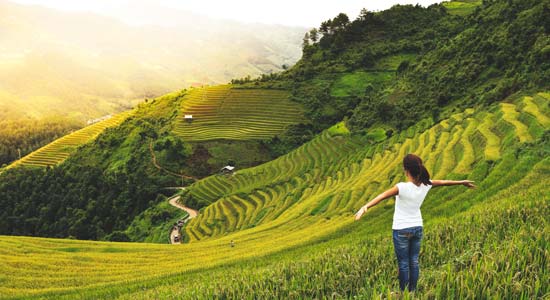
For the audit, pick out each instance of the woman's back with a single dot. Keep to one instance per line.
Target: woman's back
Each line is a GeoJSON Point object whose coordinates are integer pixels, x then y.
{"type": "Point", "coordinates": [407, 205]}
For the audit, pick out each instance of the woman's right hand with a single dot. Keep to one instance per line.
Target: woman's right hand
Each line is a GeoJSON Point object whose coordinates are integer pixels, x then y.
{"type": "Point", "coordinates": [360, 212]}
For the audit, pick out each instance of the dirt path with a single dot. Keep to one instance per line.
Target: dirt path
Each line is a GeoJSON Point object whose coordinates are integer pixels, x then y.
{"type": "Point", "coordinates": [192, 213]}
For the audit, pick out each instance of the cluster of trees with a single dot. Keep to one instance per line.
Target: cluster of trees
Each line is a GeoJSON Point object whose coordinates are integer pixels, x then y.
{"type": "Point", "coordinates": [262, 78]}
{"type": "Point", "coordinates": [72, 201]}
{"type": "Point", "coordinates": [504, 48]}
{"type": "Point", "coordinates": [340, 46]}
{"type": "Point", "coordinates": [327, 28]}
{"type": "Point", "coordinates": [26, 135]}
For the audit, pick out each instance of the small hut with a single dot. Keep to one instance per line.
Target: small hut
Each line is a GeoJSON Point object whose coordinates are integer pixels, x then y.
{"type": "Point", "coordinates": [188, 118]}
{"type": "Point", "coordinates": [227, 170]}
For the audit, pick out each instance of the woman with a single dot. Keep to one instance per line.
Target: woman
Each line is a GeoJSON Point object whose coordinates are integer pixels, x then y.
{"type": "Point", "coordinates": [407, 219]}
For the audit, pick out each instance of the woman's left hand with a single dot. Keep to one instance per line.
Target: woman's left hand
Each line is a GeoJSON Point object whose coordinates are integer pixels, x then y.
{"type": "Point", "coordinates": [468, 184]}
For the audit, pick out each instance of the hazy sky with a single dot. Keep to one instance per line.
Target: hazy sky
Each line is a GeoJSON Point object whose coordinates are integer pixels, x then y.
{"type": "Point", "coordinates": [307, 13]}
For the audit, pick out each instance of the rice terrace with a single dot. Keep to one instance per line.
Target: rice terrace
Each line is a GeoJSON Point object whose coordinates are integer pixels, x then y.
{"type": "Point", "coordinates": [57, 151]}
{"type": "Point", "coordinates": [222, 112]}
{"type": "Point", "coordinates": [295, 184]}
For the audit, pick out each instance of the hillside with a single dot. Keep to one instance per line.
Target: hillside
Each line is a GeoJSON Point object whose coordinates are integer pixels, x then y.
{"type": "Point", "coordinates": [25, 135]}
{"type": "Point", "coordinates": [326, 177]}
{"type": "Point", "coordinates": [464, 85]}
{"type": "Point", "coordinates": [314, 231]}
{"type": "Point", "coordinates": [398, 66]}
{"type": "Point", "coordinates": [222, 112]}
{"type": "Point", "coordinates": [60, 149]}
{"type": "Point", "coordinates": [152, 149]}
{"type": "Point", "coordinates": [71, 67]}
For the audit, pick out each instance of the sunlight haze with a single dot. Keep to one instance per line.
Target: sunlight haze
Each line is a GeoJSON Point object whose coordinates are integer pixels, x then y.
{"type": "Point", "coordinates": [285, 12]}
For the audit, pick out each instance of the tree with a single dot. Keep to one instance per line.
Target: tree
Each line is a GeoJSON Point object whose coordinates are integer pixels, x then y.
{"type": "Point", "coordinates": [340, 22]}
{"type": "Point", "coordinates": [305, 42]}
{"type": "Point", "coordinates": [363, 14]}
{"type": "Point", "coordinates": [314, 35]}
{"type": "Point", "coordinates": [326, 27]}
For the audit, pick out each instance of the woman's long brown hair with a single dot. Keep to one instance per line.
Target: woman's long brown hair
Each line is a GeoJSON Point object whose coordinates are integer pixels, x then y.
{"type": "Point", "coordinates": [413, 164]}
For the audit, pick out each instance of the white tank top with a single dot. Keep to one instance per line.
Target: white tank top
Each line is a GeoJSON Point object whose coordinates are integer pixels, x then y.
{"type": "Point", "coordinates": [407, 205]}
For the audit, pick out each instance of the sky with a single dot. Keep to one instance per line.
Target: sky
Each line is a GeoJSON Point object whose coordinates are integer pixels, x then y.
{"type": "Point", "coordinates": [303, 13]}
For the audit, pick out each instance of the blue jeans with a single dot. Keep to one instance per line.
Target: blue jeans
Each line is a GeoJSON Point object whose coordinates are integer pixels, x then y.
{"type": "Point", "coordinates": [406, 243]}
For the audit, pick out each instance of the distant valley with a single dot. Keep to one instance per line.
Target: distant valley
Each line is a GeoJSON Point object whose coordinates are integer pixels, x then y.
{"type": "Point", "coordinates": [99, 65]}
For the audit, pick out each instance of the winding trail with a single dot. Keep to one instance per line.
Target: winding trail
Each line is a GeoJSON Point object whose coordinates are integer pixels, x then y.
{"type": "Point", "coordinates": [192, 213]}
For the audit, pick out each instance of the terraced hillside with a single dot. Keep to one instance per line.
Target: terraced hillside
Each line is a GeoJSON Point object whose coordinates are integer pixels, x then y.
{"type": "Point", "coordinates": [332, 175]}
{"type": "Point", "coordinates": [223, 112]}
{"type": "Point", "coordinates": [291, 221]}
{"type": "Point", "coordinates": [58, 150]}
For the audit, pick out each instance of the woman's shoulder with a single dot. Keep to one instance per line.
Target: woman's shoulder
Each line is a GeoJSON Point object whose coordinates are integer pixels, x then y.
{"type": "Point", "coordinates": [426, 186]}
{"type": "Point", "coordinates": [407, 184]}
{"type": "Point", "coordinates": [402, 185]}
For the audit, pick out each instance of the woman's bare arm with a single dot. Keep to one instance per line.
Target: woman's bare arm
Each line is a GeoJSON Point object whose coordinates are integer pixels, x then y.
{"type": "Point", "coordinates": [385, 195]}
{"type": "Point", "coordinates": [466, 183]}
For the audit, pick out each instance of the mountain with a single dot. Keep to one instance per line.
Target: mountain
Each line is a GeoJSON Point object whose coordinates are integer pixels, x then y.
{"type": "Point", "coordinates": [86, 66]}
{"type": "Point", "coordinates": [67, 68]}
{"type": "Point", "coordinates": [462, 84]}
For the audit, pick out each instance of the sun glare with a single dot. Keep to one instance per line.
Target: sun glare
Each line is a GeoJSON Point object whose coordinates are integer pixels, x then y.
{"type": "Point", "coordinates": [307, 13]}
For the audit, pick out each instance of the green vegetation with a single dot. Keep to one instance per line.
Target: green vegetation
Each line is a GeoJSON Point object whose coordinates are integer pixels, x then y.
{"type": "Point", "coordinates": [239, 126]}
{"type": "Point", "coordinates": [510, 115]}
{"type": "Point", "coordinates": [475, 242]}
{"type": "Point", "coordinates": [154, 224]}
{"type": "Point", "coordinates": [532, 108]}
{"type": "Point", "coordinates": [376, 135]}
{"type": "Point", "coordinates": [111, 181]}
{"type": "Point", "coordinates": [100, 188]}
{"type": "Point", "coordinates": [408, 63]}
{"type": "Point", "coordinates": [355, 84]}
{"type": "Point", "coordinates": [339, 129]}
{"type": "Point", "coordinates": [242, 154]}
{"type": "Point", "coordinates": [276, 185]}
{"type": "Point", "coordinates": [492, 141]}
{"type": "Point", "coordinates": [327, 172]}
{"type": "Point", "coordinates": [461, 8]}
{"type": "Point", "coordinates": [462, 91]}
